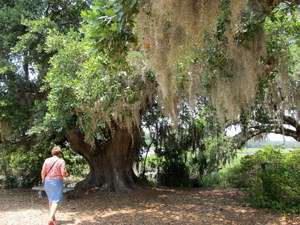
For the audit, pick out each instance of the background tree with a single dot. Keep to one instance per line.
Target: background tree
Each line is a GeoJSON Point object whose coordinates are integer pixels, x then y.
{"type": "Point", "coordinates": [24, 63]}
{"type": "Point", "coordinates": [196, 147]}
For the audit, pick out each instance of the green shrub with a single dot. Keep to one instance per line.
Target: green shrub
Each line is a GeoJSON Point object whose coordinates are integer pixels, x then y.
{"type": "Point", "coordinates": [221, 179]}
{"type": "Point", "coordinates": [21, 167]}
{"type": "Point", "coordinates": [76, 165]}
{"type": "Point", "coordinates": [271, 178]}
{"type": "Point", "coordinates": [174, 174]}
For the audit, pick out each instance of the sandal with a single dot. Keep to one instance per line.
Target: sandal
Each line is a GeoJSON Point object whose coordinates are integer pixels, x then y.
{"type": "Point", "coordinates": [51, 222]}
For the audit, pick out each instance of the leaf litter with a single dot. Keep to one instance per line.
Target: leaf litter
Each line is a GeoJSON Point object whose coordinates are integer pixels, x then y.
{"type": "Point", "coordinates": [148, 205]}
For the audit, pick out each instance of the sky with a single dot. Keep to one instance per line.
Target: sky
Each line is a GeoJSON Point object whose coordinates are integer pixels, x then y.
{"type": "Point", "coordinates": [279, 137]}
{"type": "Point", "coordinates": [271, 136]}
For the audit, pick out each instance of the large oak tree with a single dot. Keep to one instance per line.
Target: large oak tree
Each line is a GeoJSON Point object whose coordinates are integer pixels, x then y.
{"type": "Point", "coordinates": [99, 93]}
{"type": "Point", "coordinates": [103, 78]}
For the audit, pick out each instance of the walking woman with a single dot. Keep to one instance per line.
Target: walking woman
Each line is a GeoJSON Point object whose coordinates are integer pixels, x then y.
{"type": "Point", "coordinates": [52, 174]}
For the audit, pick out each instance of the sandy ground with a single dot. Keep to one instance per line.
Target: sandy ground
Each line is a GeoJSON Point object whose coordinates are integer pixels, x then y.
{"type": "Point", "coordinates": [149, 205]}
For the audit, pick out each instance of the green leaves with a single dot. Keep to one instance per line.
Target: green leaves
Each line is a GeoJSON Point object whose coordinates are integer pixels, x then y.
{"type": "Point", "coordinates": [86, 89]}
{"type": "Point", "coordinates": [251, 24]}
{"type": "Point", "coordinates": [271, 178]}
{"type": "Point", "coordinates": [110, 27]}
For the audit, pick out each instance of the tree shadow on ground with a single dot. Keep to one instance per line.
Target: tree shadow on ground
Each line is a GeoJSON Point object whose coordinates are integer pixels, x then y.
{"type": "Point", "coordinates": [176, 206]}
{"type": "Point", "coordinates": [59, 222]}
{"type": "Point", "coordinates": [149, 205]}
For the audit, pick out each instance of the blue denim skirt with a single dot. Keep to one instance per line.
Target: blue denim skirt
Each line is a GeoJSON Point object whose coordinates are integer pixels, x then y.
{"type": "Point", "coordinates": [54, 190]}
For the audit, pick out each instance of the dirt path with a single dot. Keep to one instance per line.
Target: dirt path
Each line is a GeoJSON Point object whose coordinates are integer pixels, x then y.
{"type": "Point", "coordinates": [150, 206]}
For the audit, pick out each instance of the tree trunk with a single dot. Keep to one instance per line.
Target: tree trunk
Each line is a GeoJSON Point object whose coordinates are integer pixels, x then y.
{"type": "Point", "coordinates": [110, 162]}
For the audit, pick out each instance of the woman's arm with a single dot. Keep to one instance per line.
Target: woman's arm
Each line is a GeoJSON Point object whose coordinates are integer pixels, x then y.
{"type": "Point", "coordinates": [43, 175]}
{"type": "Point", "coordinates": [64, 171]}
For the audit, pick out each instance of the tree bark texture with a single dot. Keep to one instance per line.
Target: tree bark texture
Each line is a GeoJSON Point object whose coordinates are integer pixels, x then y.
{"type": "Point", "coordinates": [110, 162]}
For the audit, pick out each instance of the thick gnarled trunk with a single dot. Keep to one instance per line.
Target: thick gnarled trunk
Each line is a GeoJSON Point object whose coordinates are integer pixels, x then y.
{"type": "Point", "coordinates": [110, 162]}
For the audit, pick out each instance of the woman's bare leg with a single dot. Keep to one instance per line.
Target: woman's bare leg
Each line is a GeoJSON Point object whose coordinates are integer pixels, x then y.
{"type": "Point", "coordinates": [50, 203]}
{"type": "Point", "coordinates": [53, 210]}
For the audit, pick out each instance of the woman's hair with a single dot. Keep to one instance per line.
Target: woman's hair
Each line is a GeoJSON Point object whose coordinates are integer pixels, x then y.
{"type": "Point", "coordinates": [56, 150]}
